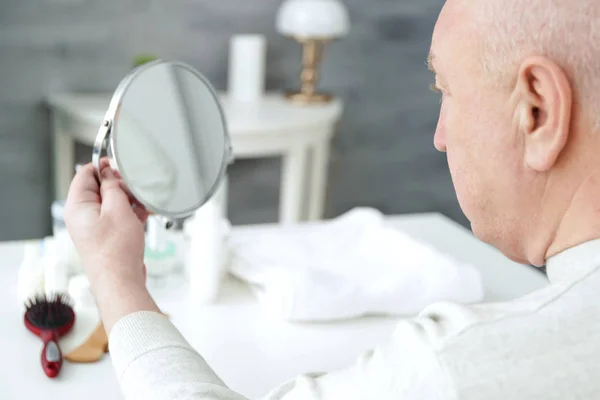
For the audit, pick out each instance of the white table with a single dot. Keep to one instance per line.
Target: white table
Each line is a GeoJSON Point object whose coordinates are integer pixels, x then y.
{"type": "Point", "coordinates": [251, 352]}
{"type": "Point", "coordinates": [271, 127]}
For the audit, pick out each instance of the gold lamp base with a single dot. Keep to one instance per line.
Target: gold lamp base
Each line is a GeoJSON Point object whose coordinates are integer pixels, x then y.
{"type": "Point", "coordinates": [311, 57]}
{"type": "Point", "coordinates": [308, 98]}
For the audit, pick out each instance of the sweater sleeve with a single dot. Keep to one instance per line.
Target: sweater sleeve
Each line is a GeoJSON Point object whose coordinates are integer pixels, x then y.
{"type": "Point", "coordinates": [153, 361]}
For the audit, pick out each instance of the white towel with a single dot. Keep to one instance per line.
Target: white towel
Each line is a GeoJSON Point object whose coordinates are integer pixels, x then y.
{"type": "Point", "coordinates": [348, 267]}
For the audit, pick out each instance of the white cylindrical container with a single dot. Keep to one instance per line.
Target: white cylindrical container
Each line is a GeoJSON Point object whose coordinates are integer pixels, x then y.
{"type": "Point", "coordinates": [203, 262]}
{"type": "Point", "coordinates": [247, 58]}
{"type": "Point", "coordinates": [80, 292]}
{"type": "Point", "coordinates": [58, 217]}
{"type": "Point", "coordinates": [221, 196]}
{"type": "Point", "coordinates": [56, 272]}
{"type": "Point", "coordinates": [155, 234]}
{"type": "Point", "coordinates": [65, 248]}
{"type": "Point", "coordinates": [31, 271]}
{"type": "Point", "coordinates": [160, 253]}
{"type": "Point", "coordinates": [205, 259]}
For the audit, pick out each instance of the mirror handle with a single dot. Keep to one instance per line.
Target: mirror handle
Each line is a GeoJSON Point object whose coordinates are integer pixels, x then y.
{"type": "Point", "coordinates": [99, 143]}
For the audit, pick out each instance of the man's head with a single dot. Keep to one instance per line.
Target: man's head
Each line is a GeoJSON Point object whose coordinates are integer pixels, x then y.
{"type": "Point", "coordinates": [520, 85]}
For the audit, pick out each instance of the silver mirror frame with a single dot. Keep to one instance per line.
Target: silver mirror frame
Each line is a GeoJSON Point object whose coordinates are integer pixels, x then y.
{"type": "Point", "coordinates": [105, 139]}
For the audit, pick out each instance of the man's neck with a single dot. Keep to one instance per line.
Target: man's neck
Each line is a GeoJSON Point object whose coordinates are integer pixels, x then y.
{"type": "Point", "coordinates": [568, 212]}
{"type": "Point", "coordinates": [580, 222]}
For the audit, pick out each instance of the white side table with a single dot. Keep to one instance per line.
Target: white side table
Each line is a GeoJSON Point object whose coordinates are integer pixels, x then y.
{"type": "Point", "coordinates": [271, 127]}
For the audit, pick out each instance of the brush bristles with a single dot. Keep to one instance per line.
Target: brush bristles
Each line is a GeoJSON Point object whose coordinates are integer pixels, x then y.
{"type": "Point", "coordinates": [49, 311]}
{"type": "Point", "coordinates": [57, 298]}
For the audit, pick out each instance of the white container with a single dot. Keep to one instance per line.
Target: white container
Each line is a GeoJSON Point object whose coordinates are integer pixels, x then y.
{"type": "Point", "coordinates": [66, 251]}
{"type": "Point", "coordinates": [247, 59]}
{"type": "Point", "coordinates": [31, 271]}
{"type": "Point", "coordinates": [160, 253]}
{"type": "Point", "coordinates": [206, 253]}
{"type": "Point", "coordinates": [80, 292]}
{"type": "Point", "coordinates": [56, 271]}
{"type": "Point", "coordinates": [58, 217]}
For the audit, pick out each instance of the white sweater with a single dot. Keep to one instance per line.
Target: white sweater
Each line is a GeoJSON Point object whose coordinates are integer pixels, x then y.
{"type": "Point", "coordinates": [545, 345]}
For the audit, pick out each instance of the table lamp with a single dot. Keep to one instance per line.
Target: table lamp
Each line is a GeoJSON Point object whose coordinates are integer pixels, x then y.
{"type": "Point", "coordinates": [312, 23]}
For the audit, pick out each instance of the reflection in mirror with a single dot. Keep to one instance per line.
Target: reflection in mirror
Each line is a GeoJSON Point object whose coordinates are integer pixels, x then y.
{"type": "Point", "coordinates": [168, 138]}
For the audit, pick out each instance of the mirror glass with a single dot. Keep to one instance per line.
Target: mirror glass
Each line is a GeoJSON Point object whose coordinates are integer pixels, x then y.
{"type": "Point", "coordinates": [168, 138]}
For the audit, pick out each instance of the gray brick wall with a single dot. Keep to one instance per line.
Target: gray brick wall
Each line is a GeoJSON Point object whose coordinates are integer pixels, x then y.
{"type": "Point", "coordinates": [382, 156]}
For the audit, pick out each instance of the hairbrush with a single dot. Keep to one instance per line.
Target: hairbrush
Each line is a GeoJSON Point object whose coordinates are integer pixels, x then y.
{"type": "Point", "coordinates": [50, 317]}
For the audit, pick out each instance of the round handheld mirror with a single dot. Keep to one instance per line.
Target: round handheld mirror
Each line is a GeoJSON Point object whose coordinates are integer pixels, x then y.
{"type": "Point", "coordinates": [166, 136]}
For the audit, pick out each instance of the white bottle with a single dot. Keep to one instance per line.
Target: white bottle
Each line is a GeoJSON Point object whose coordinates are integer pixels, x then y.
{"type": "Point", "coordinates": [160, 253]}
{"type": "Point", "coordinates": [205, 263]}
{"type": "Point", "coordinates": [80, 292]}
{"type": "Point", "coordinates": [246, 74]}
{"type": "Point", "coordinates": [65, 248]}
{"type": "Point", "coordinates": [56, 271]}
{"type": "Point", "coordinates": [31, 272]}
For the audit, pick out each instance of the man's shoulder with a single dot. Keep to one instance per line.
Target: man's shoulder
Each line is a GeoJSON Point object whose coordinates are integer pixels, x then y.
{"type": "Point", "coordinates": [507, 350]}
{"type": "Point", "coordinates": [442, 324]}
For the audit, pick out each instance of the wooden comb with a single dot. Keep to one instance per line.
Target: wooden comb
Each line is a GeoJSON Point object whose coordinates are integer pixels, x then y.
{"type": "Point", "coordinates": [92, 349]}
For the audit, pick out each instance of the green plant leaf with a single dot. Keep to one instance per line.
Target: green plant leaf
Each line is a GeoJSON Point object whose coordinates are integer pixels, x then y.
{"type": "Point", "coordinates": [143, 59]}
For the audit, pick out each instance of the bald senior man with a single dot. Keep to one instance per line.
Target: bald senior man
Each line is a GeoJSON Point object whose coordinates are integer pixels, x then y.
{"type": "Point", "coordinates": [520, 124]}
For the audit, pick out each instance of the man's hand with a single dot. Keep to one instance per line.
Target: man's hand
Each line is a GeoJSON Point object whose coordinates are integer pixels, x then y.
{"type": "Point", "coordinates": [107, 229]}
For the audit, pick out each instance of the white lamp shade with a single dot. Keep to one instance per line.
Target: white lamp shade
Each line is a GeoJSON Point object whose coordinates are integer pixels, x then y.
{"type": "Point", "coordinates": [313, 18]}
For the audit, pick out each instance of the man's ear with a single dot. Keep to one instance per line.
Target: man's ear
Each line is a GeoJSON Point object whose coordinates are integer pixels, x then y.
{"type": "Point", "coordinates": [545, 111]}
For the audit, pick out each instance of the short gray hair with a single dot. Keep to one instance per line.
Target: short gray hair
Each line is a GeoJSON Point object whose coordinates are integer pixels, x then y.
{"type": "Point", "coordinates": [566, 31]}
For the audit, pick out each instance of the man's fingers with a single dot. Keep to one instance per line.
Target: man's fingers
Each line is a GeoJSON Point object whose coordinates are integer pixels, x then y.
{"type": "Point", "coordinates": [104, 163]}
{"type": "Point", "coordinates": [109, 193]}
{"type": "Point", "coordinates": [84, 186]}
{"type": "Point", "coordinates": [113, 196]}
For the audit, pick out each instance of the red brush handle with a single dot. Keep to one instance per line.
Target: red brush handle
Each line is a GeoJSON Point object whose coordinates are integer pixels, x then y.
{"type": "Point", "coordinates": [52, 358]}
